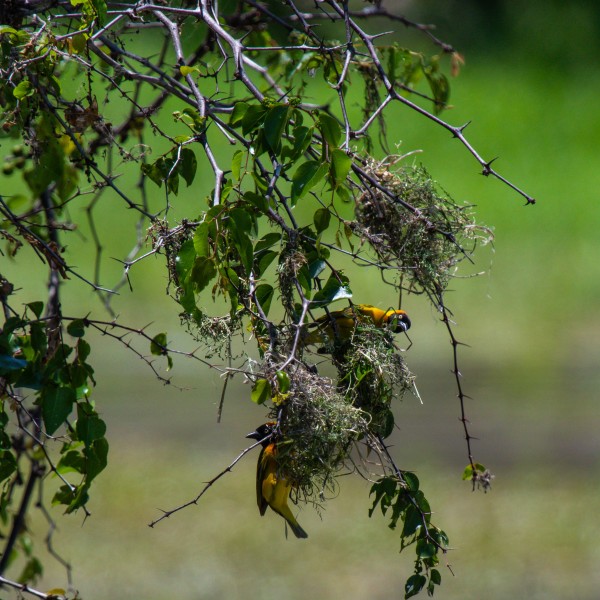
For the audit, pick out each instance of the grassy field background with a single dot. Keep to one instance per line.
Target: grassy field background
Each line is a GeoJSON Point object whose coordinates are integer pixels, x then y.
{"type": "Point", "coordinates": [533, 325]}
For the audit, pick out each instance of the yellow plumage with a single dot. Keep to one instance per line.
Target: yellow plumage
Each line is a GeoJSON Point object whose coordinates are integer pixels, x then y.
{"type": "Point", "coordinates": [272, 489]}
{"type": "Point", "coordinates": [339, 325]}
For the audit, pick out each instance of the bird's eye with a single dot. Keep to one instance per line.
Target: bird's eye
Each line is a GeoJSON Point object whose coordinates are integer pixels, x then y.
{"type": "Point", "coordinates": [399, 322]}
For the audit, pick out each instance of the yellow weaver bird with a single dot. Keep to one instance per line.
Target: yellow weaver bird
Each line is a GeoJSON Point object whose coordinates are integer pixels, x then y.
{"type": "Point", "coordinates": [271, 488]}
{"type": "Point", "coordinates": [339, 325]}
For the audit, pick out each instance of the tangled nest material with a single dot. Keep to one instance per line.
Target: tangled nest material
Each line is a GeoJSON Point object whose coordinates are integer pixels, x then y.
{"type": "Point", "coordinates": [425, 242]}
{"type": "Point", "coordinates": [321, 420]}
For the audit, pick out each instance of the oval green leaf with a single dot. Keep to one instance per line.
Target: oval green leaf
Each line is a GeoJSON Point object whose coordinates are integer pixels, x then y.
{"type": "Point", "coordinates": [261, 391]}
{"type": "Point", "coordinates": [306, 177]}
{"type": "Point", "coordinates": [330, 129]}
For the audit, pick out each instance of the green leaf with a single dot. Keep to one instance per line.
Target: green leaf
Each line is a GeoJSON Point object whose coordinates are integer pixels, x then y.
{"type": "Point", "coordinates": [264, 295]}
{"type": "Point", "coordinates": [197, 122]}
{"type": "Point", "coordinates": [38, 339]}
{"type": "Point", "coordinates": [90, 426]}
{"type": "Point", "coordinates": [8, 464]}
{"type": "Point", "coordinates": [258, 200]}
{"type": "Point", "coordinates": [283, 381]}
{"type": "Point", "coordinates": [36, 308]}
{"type": "Point", "coordinates": [203, 272]}
{"type": "Point", "coordinates": [468, 472]}
{"type": "Point", "coordinates": [31, 571]}
{"type": "Point", "coordinates": [332, 70]}
{"type": "Point", "coordinates": [153, 172]}
{"type": "Point", "coordinates": [236, 164]}
{"type": "Point", "coordinates": [96, 458]}
{"type": "Point", "coordinates": [412, 481]}
{"type": "Point", "coordinates": [253, 117]}
{"type": "Point", "coordinates": [340, 166]}
{"type": "Point", "coordinates": [13, 323]}
{"type": "Point", "coordinates": [423, 504]}
{"type": "Point", "coordinates": [343, 194]}
{"type": "Point", "coordinates": [158, 344]}
{"type": "Point", "coordinates": [264, 260]}
{"type": "Point", "coordinates": [50, 168]}
{"type": "Point", "coordinates": [261, 391]}
{"type": "Point", "coordinates": [399, 508]}
{"type": "Point", "coordinates": [412, 521]}
{"type": "Point", "coordinates": [184, 261]}
{"type": "Point", "coordinates": [262, 183]}
{"type": "Point", "coordinates": [436, 577]}
{"type": "Point", "coordinates": [307, 175]}
{"type": "Point", "coordinates": [316, 267]}
{"type": "Point", "coordinates": [241, 219]}
{"type": "Point", "coordinates": [387, 421]}
{"type": "Point", "coordinates": [239, 110]}
{"type": "Point", "coordinates": [336, 288]}
{"type": "Point", "coordinates": [23, 90]}
{"type": "Point", "coordinates": [302, 139]}
{"type": "Point", "coordinates": [321, 218]}
{"type": "Point", "coordinates": [425, 549]}
{"type": "Point", "coordinates": [187, 299]}
{"type": "Point", "coordinates": [414, 584]}
{"type": "Point", "coordinates": [76, 328]}
{"type": "Point", "coordinates": [440, 536]}
{"type": "Point", "coordinates": [172, 181]}
{"type": "Point", "coordinates": [74, 375]}
{"type": "Point", "coordinates": [276, 121]}
{"type": "Point", "coordinates": [330, 130]}
{"type": "Point", "coordinates": [71, 462]}
{"type": "Point", "coordinates": [57, 404]}
{"type": "Point", "coordinates": [201, 246]}
{"type": "Point", "coordinates": [188, 165]}
{"type": "Point", "coordinates": [385, 489]}
{"type": "Point", "coordinates": [243, 245]}
{"type": "Point", "coordinates": [75, 499]}
{"type": "Point", "coordinates": [267, 241]}
{"type": "Point", "coordinates": [440, 87]}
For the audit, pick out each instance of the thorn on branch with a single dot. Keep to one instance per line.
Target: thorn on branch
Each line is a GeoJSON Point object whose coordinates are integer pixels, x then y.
{"type": "Point", "coordinates": [487, 167]}
{"type": "Point", "coordinates": [458, 130]}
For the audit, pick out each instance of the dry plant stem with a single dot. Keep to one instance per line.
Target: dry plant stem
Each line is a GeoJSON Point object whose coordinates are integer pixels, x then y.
{"type": "Point", "coordinates": [48, 252]}
{"type": "Point", "coordinates": [108, 180]}
{"type": "Point", "coordinates": [392, 93]}
{"type": "Point", "coordinates": [49, 536]}
{"type": "Point", "coordinates": [18, 521]}
{"type": "Point", "coordinates": [399, 474]}
{"type": "Point", "coordinates": [462, 397]}
{"type": "Point", "coordinates": [26, 589]}
{"type": "Point", "coordinates": [167, 513]}
{"type": "Point", "coordinates": [32, 426]}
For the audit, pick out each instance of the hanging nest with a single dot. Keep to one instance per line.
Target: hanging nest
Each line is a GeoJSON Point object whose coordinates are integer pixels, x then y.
{"type": "Point", "coordinates": [372, 373]}
{"type": "Point", "coordinates": [320, 420]}
{"type": "Point", "coordinates": [416, 228]}
{"type": "Point", "coordinates": [318, 426]}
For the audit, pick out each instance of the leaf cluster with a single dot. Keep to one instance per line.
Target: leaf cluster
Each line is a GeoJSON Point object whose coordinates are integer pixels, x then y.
{"type": "Point", "coordinates": [46, 384]}
{"type": "Point", "coordinates": [400, 498]}
{"type": "Point", "coordinates": [295, 200]}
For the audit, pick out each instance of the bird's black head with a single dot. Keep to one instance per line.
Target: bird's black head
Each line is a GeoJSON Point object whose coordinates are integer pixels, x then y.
{"type": "Point", "coordinates": [262, 432]}
{"type": "Point", "coordinates": [397, 321]}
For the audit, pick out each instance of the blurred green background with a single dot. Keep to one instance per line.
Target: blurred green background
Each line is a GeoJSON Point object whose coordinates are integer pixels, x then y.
{"type": "Point", "coordinates": [530, 88]}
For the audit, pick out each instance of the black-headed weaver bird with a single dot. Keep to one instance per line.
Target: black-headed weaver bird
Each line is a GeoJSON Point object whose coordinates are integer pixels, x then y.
{"type": "Point", "coordinates": [339, 325]}
{"type": "Point", "coordinates": [273, 489]}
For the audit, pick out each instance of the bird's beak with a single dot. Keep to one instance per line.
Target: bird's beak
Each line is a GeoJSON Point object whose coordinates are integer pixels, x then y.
{"type": "Point", "coordinates": [255, 436]}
